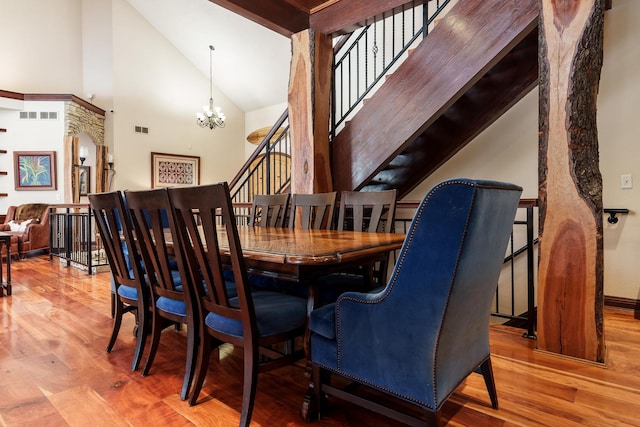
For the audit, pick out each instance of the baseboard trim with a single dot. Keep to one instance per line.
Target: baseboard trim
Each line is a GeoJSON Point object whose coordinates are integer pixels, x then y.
{"type": "Point", "coordinates": [619, 302]}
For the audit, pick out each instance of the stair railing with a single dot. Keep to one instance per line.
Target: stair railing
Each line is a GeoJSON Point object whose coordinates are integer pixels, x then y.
{"type": "Point", "coordinates": [363, 58]}
{"type": "Point", "coordinates": [514, 302]}
{"type": "Point", "coordinates": [268, 169]}
{"type": "Point", "coordinates": [370, 53]}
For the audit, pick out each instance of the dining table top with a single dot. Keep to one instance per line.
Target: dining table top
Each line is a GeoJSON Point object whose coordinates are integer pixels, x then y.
{"type": "Point", "coordinates": [310, 247]}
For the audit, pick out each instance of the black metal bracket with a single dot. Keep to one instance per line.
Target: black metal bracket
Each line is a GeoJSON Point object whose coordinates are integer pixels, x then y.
{"type": "Point", "coordinates": [613, 219]}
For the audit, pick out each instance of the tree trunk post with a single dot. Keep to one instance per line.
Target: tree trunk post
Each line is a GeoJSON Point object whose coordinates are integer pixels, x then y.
{"type": "Point", "coordinates": [309, 106]}
{"type": "Point", "coordinates": [570, 279]}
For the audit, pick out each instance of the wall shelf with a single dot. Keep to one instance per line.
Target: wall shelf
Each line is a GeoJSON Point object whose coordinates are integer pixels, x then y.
{"type": "Point", "coordinates": [2, 130]}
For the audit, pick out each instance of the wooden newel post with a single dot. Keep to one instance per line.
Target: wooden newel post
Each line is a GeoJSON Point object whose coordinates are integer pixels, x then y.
{"type": "Point", "coordinates": [570, 295]}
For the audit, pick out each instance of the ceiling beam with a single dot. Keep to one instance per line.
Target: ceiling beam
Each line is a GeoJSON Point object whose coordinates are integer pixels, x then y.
{"type": "Point", "coordinates": [277, 15]}
{"type": "Point", "coordinates": [345, 16]}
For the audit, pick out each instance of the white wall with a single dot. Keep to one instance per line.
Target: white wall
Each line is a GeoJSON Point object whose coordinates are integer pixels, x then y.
{"type": "Point", "coordinates": [619, 130]}
{"type": "Point", "coordinates": [508, 150]}
{"type": "Point", "coordinates": [97, 59]}
{"type": "Point", "coordinates": [40, 43]}
{"type": "Point", "coordinates": [31, 135]}
{"type": "Point", "coordinates": [258, 119]}
{"type": "Point", "coordinates": [156, 87]}
{"type": "Point", "coordinates": [106, 48]}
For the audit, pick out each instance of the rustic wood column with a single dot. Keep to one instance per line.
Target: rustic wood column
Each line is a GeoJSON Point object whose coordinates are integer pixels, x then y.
{"type": "Point", "coordinates": [102, 171]}
{"type": "Point", "coordinates": [309, 105]}
{"type": "Point", "coordinates": [70, 173]}
{"type": "Point", "coordinates": [570, 293]}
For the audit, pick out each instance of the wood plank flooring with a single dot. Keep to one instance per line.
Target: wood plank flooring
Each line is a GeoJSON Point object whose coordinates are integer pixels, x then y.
{"type": "Point", "coordinates": [54, 371]}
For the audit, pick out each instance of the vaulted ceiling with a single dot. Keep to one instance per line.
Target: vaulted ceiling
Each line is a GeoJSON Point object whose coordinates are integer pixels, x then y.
{"type": "Point", "coordinates": [251, 62]}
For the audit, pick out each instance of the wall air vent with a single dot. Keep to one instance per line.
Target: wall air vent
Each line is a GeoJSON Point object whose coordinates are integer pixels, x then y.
{"type": "Point", "coordinates": [50, 115]}
{"type": "Point", "coordinates": [43, 115]}
{"type": "Point", "coordinates": [28, 115]}
{"type": "Point", "coordinates": [141, 129]}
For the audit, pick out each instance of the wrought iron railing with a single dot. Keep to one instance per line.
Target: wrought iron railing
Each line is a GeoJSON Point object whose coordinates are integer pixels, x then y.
{"type": "Point", "coordinates": [268, 169]}
{"type": "Point", "coordinates": [72, 237]}
{"type": "Point", "coordinates": [360, 62]}
{"type": "Point", "coordinates": [514, 301]}
{"type": "Point", "coordinates": [370, 53]}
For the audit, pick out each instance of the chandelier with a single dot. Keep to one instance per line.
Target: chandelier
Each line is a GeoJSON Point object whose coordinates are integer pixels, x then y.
{"type": "Point", "coordinates": [212, 117]}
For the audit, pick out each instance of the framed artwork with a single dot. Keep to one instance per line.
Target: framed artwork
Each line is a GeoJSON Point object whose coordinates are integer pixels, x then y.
{"type": "Point", "coordinates": [85, 180]}
{"type": "Point", "coordinates": [35, 170]}
{"type": "Point", "coordinates": [174, 170]}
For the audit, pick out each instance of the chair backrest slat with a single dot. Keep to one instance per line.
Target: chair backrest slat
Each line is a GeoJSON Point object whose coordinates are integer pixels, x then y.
{"type": "Point", "coordinates": [313, 211]}
{"type": "Point", "coordinates": [200, 245]}
{"type": "Point", "coordinates": [367, 210]}
{"type": "Point", "coordinates": [150, 212]}
{"type": "Point", "coordinates": [269, 210]}
{"type": "Point", "coordinates": [116, 233]}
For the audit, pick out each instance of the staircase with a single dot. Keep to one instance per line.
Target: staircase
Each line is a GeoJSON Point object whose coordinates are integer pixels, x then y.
{"type": "Point", "coordinates": [479, 60]}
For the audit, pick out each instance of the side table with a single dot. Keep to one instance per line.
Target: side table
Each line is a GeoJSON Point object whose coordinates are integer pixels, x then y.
{"type": "Point", "coordinates": [5, 286]}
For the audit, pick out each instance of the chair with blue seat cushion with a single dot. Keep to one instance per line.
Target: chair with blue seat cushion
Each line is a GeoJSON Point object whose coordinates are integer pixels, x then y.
{"type": "Point", "coordinates": [258, 322]}
{"type": "Point", "coordinates": [420, 336]}
{"type": "Point", "coordinates": [130, 290]}
{"type": "Point", "coordinates": [150, 213]}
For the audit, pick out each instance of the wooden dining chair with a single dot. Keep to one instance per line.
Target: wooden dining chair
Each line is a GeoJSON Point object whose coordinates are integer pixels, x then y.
{"type": "Point", "coordinates": [254, 321]}
{"type": "Point", "coordinates": [132, 294]}
{"type": "Point", "coordinates": [373, 212]}
{"type": "Point", "coordinates": [428, 329]}
{"type": "Point", "coordinates": [152, 219]}
{"type": "Point", "coordinates": [312, 211]}
{"type": "Point", "coordinates": [269, 210]}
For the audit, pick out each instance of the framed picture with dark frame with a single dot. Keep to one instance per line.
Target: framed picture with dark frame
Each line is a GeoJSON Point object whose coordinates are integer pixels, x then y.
{"type": "Point", "coordinates": [35, 170]}
{"type": "Point", "coordinates": [174, 170]}
{"type": "Point", "coordinates": [84, 181]}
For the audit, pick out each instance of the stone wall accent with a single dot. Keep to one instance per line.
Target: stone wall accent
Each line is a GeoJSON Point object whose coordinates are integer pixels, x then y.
{"type": "Point", "coordinates": [78, 119]}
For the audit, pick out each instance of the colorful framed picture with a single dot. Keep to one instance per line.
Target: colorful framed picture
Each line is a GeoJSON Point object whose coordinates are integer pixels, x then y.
{"type": "Point", "coordinates": [174, 170]}
{"type": "Point", "coordinates": [85, 180]}
{"type": "Point", "coordinates": [35, 170]}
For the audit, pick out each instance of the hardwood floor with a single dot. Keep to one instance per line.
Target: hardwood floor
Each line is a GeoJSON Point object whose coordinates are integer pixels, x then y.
{"type": "Point", "coordinates": [54, 371]}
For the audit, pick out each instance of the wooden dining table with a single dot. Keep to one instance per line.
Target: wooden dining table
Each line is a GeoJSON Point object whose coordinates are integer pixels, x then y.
{"type": "Point", "coordinates": [301, 256]}
{"type": "Point", "coordinates": [296, 254]}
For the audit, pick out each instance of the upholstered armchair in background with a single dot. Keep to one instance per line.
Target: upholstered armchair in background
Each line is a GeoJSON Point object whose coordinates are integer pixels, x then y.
{"type": "Point", "coordinates": [30, 224]}
{"type": "Point", "coordinates": [428, 329]}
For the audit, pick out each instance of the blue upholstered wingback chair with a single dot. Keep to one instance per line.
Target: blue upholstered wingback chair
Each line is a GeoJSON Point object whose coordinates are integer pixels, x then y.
{"type": "Point", "coordinates": [420, 336]}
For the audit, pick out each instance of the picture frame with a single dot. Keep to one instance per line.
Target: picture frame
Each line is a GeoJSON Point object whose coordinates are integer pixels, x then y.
{"type": "Point", "coordinates": [35, 170]}
{"type": "Point", "coordinates": [84, 182]}
{"type": "Point", "coordinates": [174, 170]}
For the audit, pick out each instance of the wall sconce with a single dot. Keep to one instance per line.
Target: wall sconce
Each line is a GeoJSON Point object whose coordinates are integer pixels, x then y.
{"type": "Point", "coordinates": [83, 155]}
{"type": "Point", "coordinates": [110, 172]}
{"type": "Point", "coordinates": [110, 161]}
